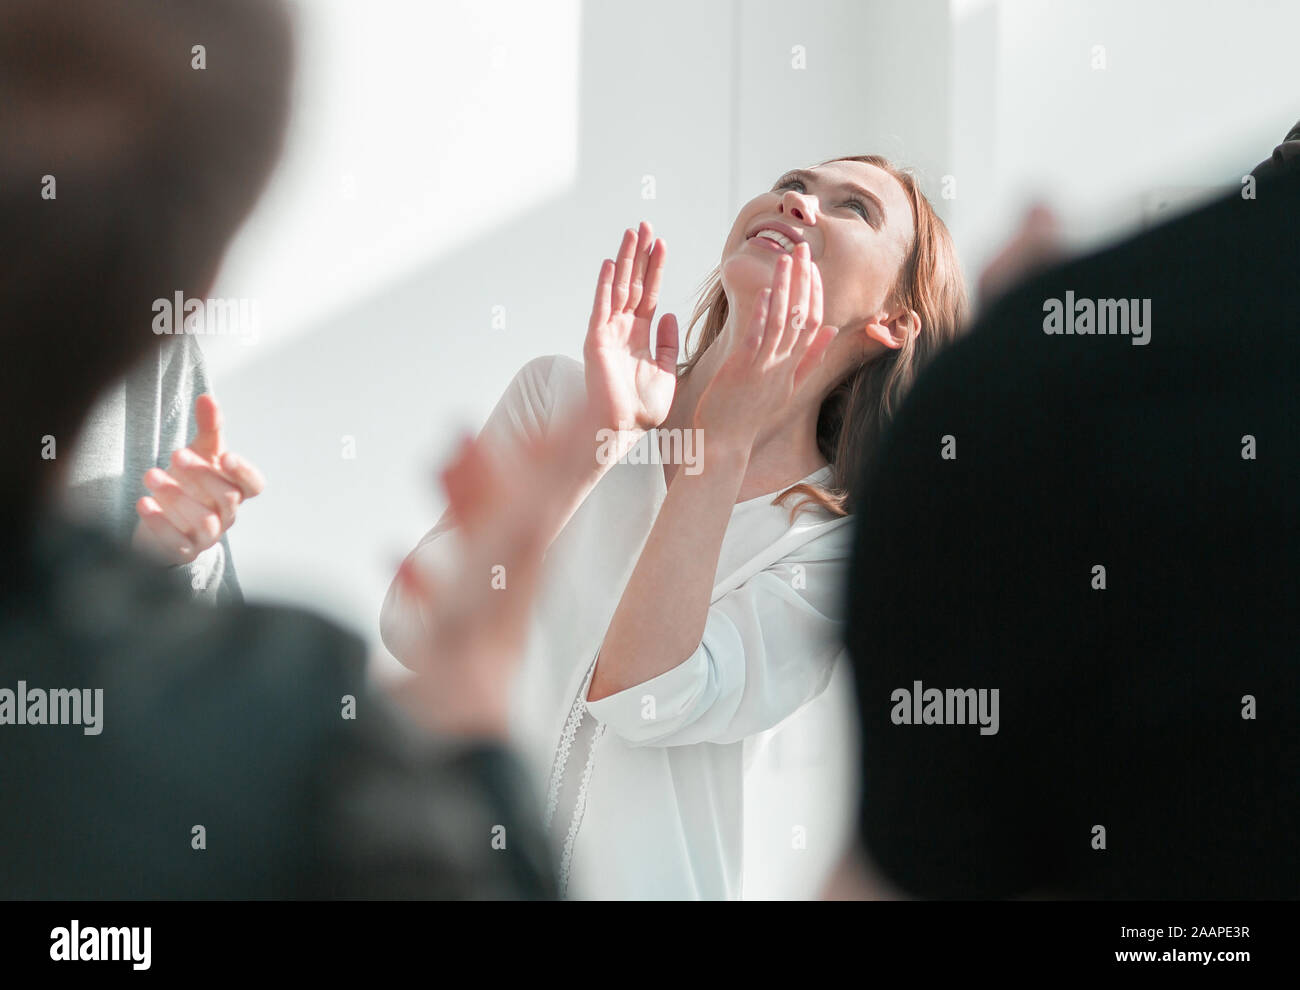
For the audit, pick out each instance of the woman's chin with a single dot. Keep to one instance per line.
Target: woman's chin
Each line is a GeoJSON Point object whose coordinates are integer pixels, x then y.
{"type": "Point", "coordinates": [749, 270]}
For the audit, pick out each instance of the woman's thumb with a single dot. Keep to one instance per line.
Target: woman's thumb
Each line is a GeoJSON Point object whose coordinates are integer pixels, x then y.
{"type": "Point", "coordinates": [666, 345]}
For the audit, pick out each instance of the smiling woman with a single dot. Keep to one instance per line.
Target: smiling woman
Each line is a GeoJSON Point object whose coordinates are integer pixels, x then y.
{"type": "Point", "coordinates": [868, 210]}
{"type": "Point", "coordinates": [685, 612]}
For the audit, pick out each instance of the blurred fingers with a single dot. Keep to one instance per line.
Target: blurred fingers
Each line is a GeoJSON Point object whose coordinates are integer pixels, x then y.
{"type": "Point", "coordinates": [208, 442]}
{"type": "Point", "coordinates": [243, 473]}
{"type": "Point", "coordinates": [162, 538]}
{"type": "Point", "coordinates": [201, 525]}
{"type": "Point", "coordinates": [205, 485]}
{"type": "Point", "coordinates": [1035, 245]}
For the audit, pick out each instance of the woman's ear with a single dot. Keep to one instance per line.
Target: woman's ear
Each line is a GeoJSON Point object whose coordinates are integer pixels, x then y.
{"type": "Point", "coordinates": [893, 331]}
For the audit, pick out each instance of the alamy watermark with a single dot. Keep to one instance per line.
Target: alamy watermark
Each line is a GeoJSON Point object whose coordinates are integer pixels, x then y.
{"type": "Point", "coordinates": [953, 706]}
{"type": "Point", "coordinates": [676, 446]}
{"type": "Point", "coordinates": [77, 944]}
{"type": "Point", "coordinates": [1130, 317]}
{"type": "Point", "coordinates": [214, 317]}
{"type": "Point", "coordinates": [58, 706]}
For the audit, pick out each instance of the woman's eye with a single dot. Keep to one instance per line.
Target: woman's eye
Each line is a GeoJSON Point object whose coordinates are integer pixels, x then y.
{"type": "Point", "coordinates": [790, 183]}
{"type": "Point", "coordinates": [856, 204]}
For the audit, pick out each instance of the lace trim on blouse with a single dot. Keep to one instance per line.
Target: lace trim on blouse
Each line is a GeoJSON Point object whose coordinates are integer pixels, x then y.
{"type": "Point", "coordinates": [577, 715]}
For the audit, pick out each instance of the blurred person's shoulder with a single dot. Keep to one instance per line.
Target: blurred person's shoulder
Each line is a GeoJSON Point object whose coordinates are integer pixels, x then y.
{"type": "Point", "coordinates": [137, 625]}
{"type": "Point", "coordinates": [203, 728]}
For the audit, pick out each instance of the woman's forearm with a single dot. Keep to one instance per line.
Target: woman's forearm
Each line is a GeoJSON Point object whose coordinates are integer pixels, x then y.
{"type": "Point", "coordinates": [605, 453]}
{"type": "Point", "coordinates": [660, 618]}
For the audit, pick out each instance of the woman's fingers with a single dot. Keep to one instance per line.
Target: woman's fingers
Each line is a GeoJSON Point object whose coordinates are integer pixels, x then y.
{"type": "Point", "coordinates": [805, 327]}
{"type": "Point", "coordinates": [809, 341]}
{"type": "Point", "coordinates": [808, 357]}
{"type": "Point", "coordinates": [645, 240]}
{"type": "Point", "coordinates": [601, 306]}
{"type": "Point", "coordinates": [822, 342]}
{"type": "Point", "coordinates": [815, 299]}
{"type": "Point", "coordinates": [630, 283]}
{"type": "Point", "coordinates": [778, 308]}
{"type": "Point", "coordinates": [654, 278]}
{"type": "Point", "coordinates": [800, 286]}
{"type": "Point", "coordinates": [756, 332]}
{"type": "Point", "coordinates": [666, 344]}
{"type": "Point", "coordinates": [623, 270]}
{"type": "Point", "coordinates": [639, 339]}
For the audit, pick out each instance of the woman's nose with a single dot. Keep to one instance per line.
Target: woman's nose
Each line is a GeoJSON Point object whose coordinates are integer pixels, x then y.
{"type": "Point", "coordinates": [803, 208]}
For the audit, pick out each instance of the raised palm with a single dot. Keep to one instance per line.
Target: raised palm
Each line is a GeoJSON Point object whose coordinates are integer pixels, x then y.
{"type": "Point", "coordinates": [630, 387]}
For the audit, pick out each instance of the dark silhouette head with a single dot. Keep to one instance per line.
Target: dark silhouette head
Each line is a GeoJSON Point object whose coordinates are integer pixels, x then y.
{"type": "Point", "coordinates": [135, 136]}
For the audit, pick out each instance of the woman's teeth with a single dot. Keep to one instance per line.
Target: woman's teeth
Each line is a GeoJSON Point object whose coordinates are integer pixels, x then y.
{"type": "Point", "coordinates": [781, 240]}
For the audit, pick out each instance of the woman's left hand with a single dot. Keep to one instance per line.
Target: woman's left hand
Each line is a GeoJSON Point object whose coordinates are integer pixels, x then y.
{"type": "Point", "coordinates": [782, 342]}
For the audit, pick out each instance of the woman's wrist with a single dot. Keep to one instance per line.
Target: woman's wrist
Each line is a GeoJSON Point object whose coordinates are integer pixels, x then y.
{"type": "Point", "coordinates": [726, 445]}
{"type": "Point", "coordinates": [609, 444]}
{"type": "Point", "coordinates": [721, 467]}
{"type": "Point", "coordinates": [613, 444]}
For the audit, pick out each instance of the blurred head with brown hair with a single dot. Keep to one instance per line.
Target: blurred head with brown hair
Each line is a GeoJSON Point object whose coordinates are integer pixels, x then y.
{"type": "Point", "coordinates": [135, 137]}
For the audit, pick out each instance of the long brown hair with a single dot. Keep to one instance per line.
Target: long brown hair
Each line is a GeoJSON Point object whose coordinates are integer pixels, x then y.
{"type": "Point", "coordinates": [855, 415]}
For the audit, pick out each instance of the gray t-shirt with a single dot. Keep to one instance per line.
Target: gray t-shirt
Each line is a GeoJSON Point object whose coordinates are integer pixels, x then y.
{"type": "Point", "coordinates": [137, 424]}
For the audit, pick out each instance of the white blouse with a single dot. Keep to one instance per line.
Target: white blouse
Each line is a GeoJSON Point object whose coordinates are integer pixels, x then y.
{"type": "Point", "coordinates": [644, 790]}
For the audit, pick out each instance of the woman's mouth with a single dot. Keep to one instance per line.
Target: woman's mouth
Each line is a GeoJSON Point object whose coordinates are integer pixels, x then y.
{"type": "Point", "coordinates": [774, 241]}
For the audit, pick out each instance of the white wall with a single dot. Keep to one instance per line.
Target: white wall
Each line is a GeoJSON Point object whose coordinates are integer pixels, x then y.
{"type": "Point", "coordinates": [454, 156]}
{"type": "Point", "coordinates": [1193, 95]}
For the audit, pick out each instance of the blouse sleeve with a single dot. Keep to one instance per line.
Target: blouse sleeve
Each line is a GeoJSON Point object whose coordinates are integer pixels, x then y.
{"type": "Point", "coordinates": [522, 413]}
{"type": "Point", "coordinates": [769, 647]}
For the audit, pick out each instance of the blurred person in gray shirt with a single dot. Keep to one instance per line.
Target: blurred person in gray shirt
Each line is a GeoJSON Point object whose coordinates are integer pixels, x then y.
{"type": "Point", "coordinates": [152, 747]}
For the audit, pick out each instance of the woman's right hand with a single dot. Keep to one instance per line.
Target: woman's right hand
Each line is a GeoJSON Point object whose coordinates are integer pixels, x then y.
{"type": "Point", "coordinates": [784, 342]}
{"type": "Point", "coordinates": [629, 388]}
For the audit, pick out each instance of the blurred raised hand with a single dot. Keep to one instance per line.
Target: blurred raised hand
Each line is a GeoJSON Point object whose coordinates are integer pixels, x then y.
{"type": "Point", "coordinates": [506, 504]}
{"type": "Point", "coordinates": [1035, 245]}
{"type": "Point", "coordinates": [194, 501]}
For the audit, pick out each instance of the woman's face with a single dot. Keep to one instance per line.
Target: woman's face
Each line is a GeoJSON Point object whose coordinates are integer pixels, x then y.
{"type": "Point", "coordinates": [857, 221]}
